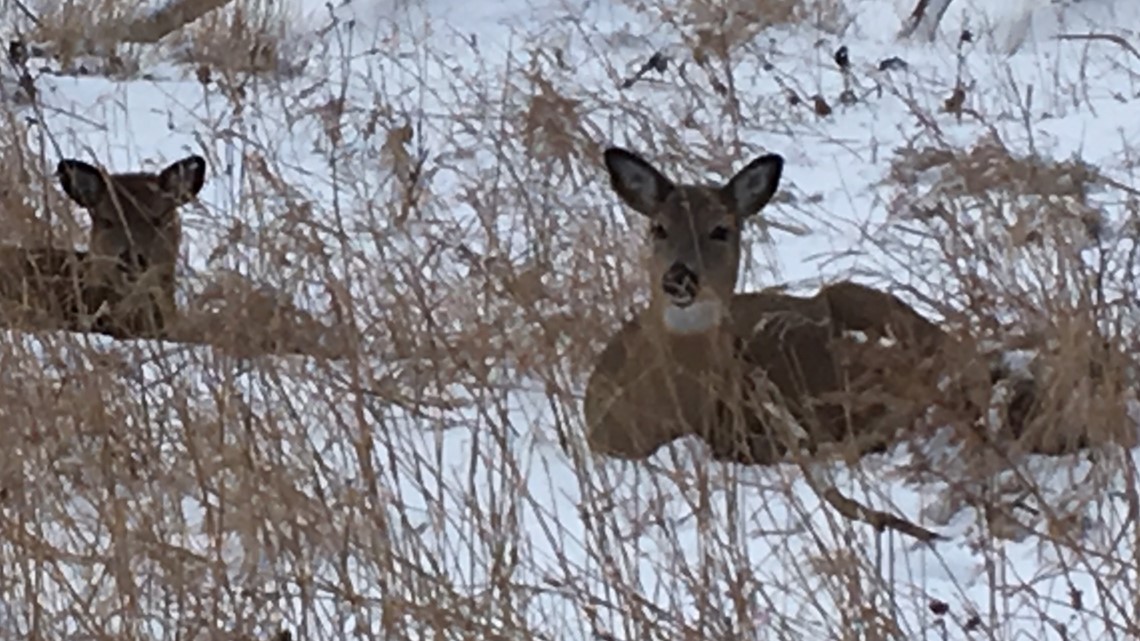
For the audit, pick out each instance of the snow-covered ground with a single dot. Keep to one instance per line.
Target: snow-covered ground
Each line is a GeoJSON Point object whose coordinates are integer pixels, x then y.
{"type": "Point", "coordinates": [503, 519]}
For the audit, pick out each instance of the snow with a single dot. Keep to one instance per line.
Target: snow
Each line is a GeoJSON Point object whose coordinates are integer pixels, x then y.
{"type": "Point", "coordinates": [592, 547]}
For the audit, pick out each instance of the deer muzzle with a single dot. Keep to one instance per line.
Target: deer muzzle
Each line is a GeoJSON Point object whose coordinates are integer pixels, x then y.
{"type": "Point", "coordinates": [680, 284]}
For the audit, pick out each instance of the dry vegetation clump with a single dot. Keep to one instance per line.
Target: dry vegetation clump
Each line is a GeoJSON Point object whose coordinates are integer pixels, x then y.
{"type": "Point", "coordinates": [1030, 193]}
{"type": "Point", "coordinates": [117, 39]}
{"type": "Point", "coordinates": [32, 211]}
{"type": "Point", "coordinates": [245, 36]}
{"type": "Point", "coordinates": [541, 272]}
{"type": "Point", "coordinates": [719, 27]}
{"type": "Point", "coordinates": [268, 284]}
{"type": "Point", "coordinates": [229, 306]}
{"type": "Point", "coordinates": [1033, 267]}
{"type": "Point", "coordinates": [69, 30]}
{"type": "Point", "coordinates": [452, 276]}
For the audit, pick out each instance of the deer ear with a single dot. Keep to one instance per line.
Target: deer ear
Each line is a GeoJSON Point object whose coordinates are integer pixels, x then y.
{"type": "Point", "coordinates": [82, 182]}
{"type": "Point", "coordinates": [636, 182]}
{"type": "Point", "coordinates": [752, 187]}
{"type": "Point", "coordinates": [184, 179]}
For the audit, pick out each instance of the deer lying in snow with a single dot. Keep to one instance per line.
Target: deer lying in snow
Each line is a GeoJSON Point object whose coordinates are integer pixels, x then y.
{"type": "Point", "coordinates": [752, 373]}
{"type": "Point", "coordinates": [123, 285]}
{"type": "Point", "coordinates": [235, 314]}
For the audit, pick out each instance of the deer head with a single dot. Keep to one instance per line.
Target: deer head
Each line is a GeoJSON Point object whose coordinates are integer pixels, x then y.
{"type": "Point", "coordinates": [135, 231]}
{"type": "Point", "coordinates": [694, 233]}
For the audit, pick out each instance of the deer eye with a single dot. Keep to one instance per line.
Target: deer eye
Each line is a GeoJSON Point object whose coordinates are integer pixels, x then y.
{"type": "Point", "coordinates": [720, 232]}
{"type": "Point", "coordinates": [658, 231]}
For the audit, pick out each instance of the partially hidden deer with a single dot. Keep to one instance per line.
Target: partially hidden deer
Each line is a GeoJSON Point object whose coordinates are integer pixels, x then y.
{"type": "Point", "coordinates": [246, 319]}
{"type": "Point", "coordinates": [749, 373]}
{"type": "Point", "coordinates": [123, 284]}
{"type": "Point", "coordinates": [41, 287]}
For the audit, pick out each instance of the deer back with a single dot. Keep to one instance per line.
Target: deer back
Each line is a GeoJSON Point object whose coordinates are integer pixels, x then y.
{"type": "Point", "coordinates": [234, 313]}
{"type": "Point", "coordinates": [820, 363]}
{"type": "Point", "coordinates": [785, 362]}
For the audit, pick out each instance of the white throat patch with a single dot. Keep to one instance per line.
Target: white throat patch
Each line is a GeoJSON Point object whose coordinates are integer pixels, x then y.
{"type": "Point", "coordinates": [698, 318]}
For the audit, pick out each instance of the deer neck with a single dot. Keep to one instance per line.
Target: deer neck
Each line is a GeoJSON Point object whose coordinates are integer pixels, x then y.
{"type": "Point", "coordinates": [698, 337]}
{"type": "Point", "coordinates": [703, 317]}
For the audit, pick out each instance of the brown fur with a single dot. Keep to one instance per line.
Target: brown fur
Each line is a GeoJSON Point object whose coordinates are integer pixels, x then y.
{"type": "Point", "coordinates": [652, 383]}
{"type": "Point", "coordinates": [136, 237]}
{"type": "Point", "coordinates": [776, 368]}
{"type": "Point", "coordinates": [800, 344]}
{"type": "Point", "coordinates": [649, 388]}
{"type": "Point", "coordinates": [43, 288]}
{"type": "Point", "coordinates": [836, 386]}
{"type": "Point", "coordinates": [233, 313]}
{"type": "Point", "coordinates": [123, 285]}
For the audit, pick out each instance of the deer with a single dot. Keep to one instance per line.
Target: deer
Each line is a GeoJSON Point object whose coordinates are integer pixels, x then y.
{"type": "Point", "coordinates": [123, 284]}
{"type": "Point", "coordinates": [236, 304]}
{"type": "Point", "coordinates": [41, 287]}
{"type": "Point", "coordinates": [751, 374]}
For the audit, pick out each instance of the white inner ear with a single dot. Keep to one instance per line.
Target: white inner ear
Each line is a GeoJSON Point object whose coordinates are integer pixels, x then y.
{"type": "Point", "coordinates": [750, 187]}
{"type": "Point", "coordinates": [88, 185]}
{"type": "Point", "coordinates": [190, 169]}
{"type": "Point", "coordinates": [698, 318]}
{"type": "Point", "coordinates": [640, 181]}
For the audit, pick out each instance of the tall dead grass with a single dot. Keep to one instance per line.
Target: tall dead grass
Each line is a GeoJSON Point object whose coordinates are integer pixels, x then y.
{"type": "Point", "coordinates": [454, 240]}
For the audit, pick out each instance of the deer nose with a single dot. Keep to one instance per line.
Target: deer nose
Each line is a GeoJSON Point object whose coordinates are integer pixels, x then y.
{"type": "Point", "coordinates": [680, 284]}
{"type": "Point", "coordinates": [130, 261]}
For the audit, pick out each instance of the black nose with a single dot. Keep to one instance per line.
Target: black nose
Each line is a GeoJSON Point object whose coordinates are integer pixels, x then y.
{"type": "Point", "coordinates": [131, 261]}
{"type": "Point", "coordinates": [681, 284]}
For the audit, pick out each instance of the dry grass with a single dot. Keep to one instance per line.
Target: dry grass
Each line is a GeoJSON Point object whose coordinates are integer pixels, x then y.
{"type": "Point", "coordinates": [79, 37]}
{"type": "Point", "coordinates": [462, 266]}
{"type": "Point", "coordinates": [728, 24]}
{"type": "Point", "coordinates": [72, 25]}
{"type": "Point", "coordinates": [246, 36]}
{"type": "Point", "coordinates": [242, 37]}
{"type": "Point", "coordinates": [23, 196]}
{"type": "Point", "coordinates": [1031, 255]}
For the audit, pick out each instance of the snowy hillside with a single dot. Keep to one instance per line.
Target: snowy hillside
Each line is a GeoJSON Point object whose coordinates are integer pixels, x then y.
{"type": "Point", "coordinates": [430, 185]}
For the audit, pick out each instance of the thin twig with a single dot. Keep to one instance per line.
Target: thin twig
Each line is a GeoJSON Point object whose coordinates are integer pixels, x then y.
{"type": "Point", "coordinates": [1110, 37]}
{"type": "Point", "coordinates": [855, 511]}
{"type": "Point", "coordinates": [28, 13]}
